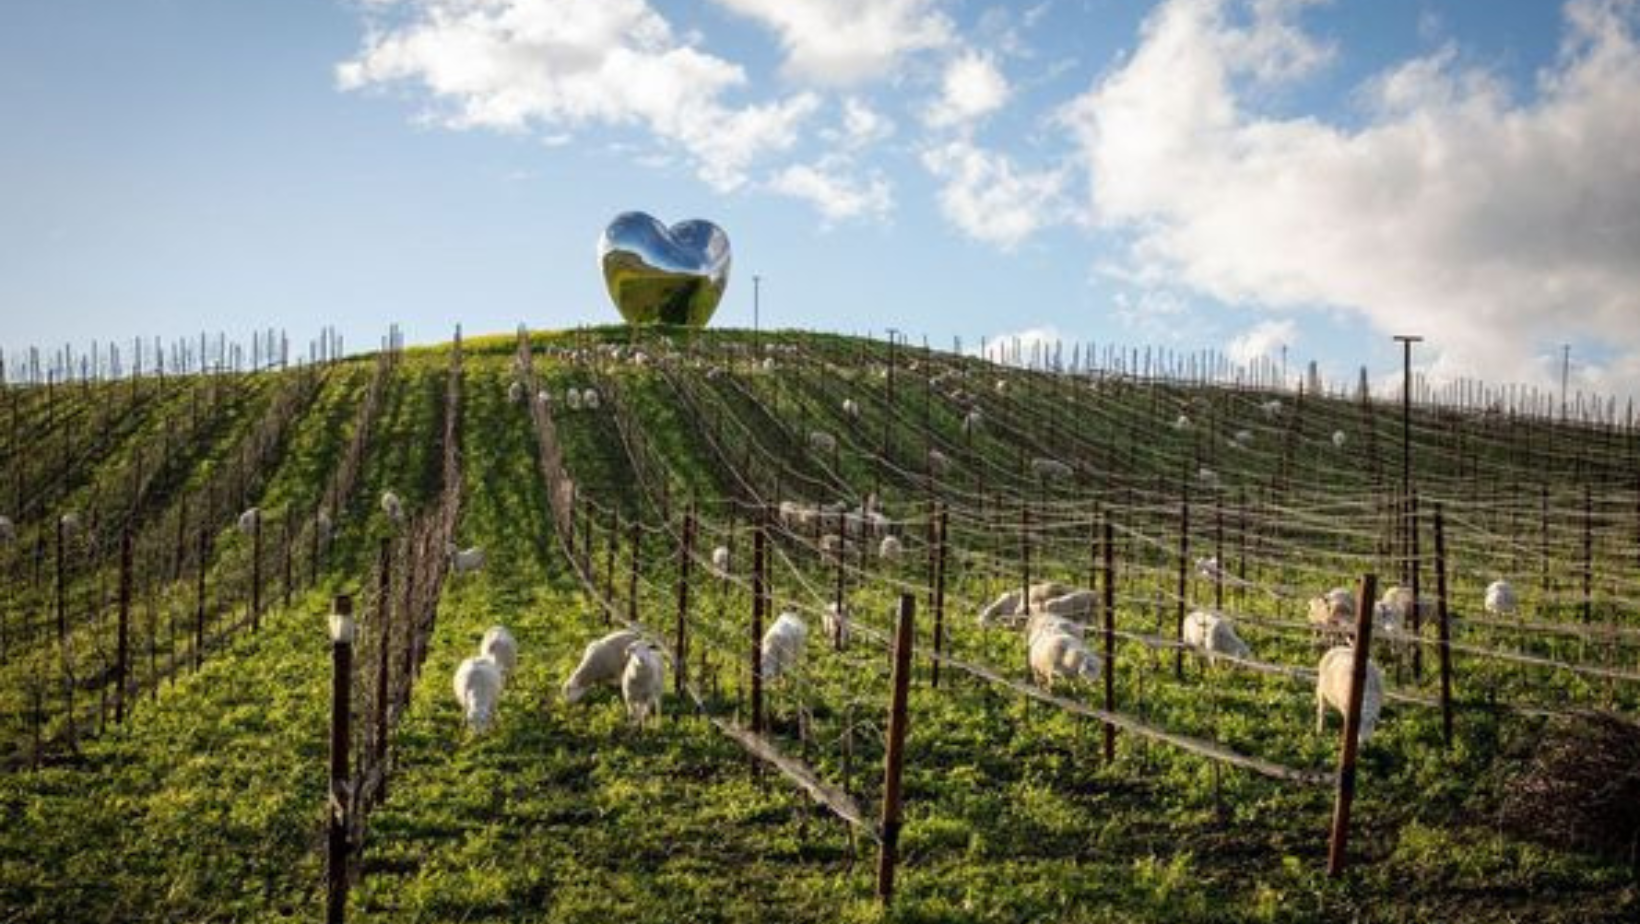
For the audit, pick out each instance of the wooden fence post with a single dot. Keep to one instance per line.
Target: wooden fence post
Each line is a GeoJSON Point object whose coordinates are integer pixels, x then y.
{"type": "Point", "coordinates": [341, 695]}
{"type": "Point", "coordinates": [636, 546]}
{"type": "Point", "coordinates": [384, 635]}
{"type": "Point", "coordinates": [939, 596]}
{"type": "Point", "coordinates": [680, 649]}
{"type": "Point", "coordinates": [122, 649]}
{"type": "Point", "coordinates": [1445, 628]}
{"type": "Point", "coordinates": [1350, 748]}
{"type": "Point", "coordinates": [1415, 567]}
{"type": "Point", "coordinates": [1588, 553]}
{"type": "Point", "coordinates": [894, 758]}
{"type": "Point", "coordinates": [1184, 585]}
{"type": "Point", "coordinates": [758, 552]}
{"type": "Point", "coordinates": [1109, 587]}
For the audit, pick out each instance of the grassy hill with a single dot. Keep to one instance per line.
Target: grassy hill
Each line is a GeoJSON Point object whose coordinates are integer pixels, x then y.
{"type": "Point", "coordinates": [208, 801]}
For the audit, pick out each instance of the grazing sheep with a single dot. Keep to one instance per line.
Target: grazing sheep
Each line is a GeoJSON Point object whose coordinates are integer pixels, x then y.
{"type": "Point", "coordinates": [589, 399]}
{"type": "Point", "coordinates": [831, 544]}
{"type": "Point", "coordinates": [70, 522]}
{"type": "Point", "coordinates": [249, 521]}
{"type": "Point", "coordinates": [783, 646]}
{"type": "Point", "coordinates": [1339, 438]}
{"type": "Point", "coordinates": [324, 524]}
{"type": "Point", "coordinates": [1208, 568]}
{"type": "Point", "coordinates": [499, 646]}
{"type": "Point", "coordinates": [1500, 598]}
{"type": "Point", "coordinates": [393, 508]}
{"type": "Point", "coordinates": [1181, 423]}
{"type": "Point", "coordinates": [821, 441]}
{"type": "Point", "coordinates": [1393, 610]}
{"type": "Point", "coordinates": [1010, 604]}
{"type": "Point", "coordinates": [720, 561]}
{"type": "Point", "coordinates": [851, 408]}
{"type": "Point", "coordinates": [1074, 603]}
{"type": "Point", "coordinates": [1332, 688]}
{"type": "Point", "coordinates": [1050, 469]}
{"type": "Point", "coordinates": [1056, 654]}
{"type": "Point", "coordinates": [515, 393]}
{"type": "Point", "coordinates": [601, 663]}
{"type": "Point", "coordinates": [572, 399]}
{"type": "Point", "coordinates": [1207, 476]}
{"type": "Point", "coordinates": [8, 531]}
{"type": "Point", "coordinates": [642, 682]}
{"type": "Point", "coordinates": [972, 421]}
{"type": "Point", "coordinates": [1213, 635]}
{"type": "Point", "coordinates": [1002, 386]}
{"type": "Point", "coordinates": [768, 364]}
{"type": "Point", "coordinates": [835, 622]}
{"type": "Point", "coordinates": [1271, 408]}
{"type": "Point", "coordinates": [1242, 439]}
{"type": "Point", "coordinates": [889, 549]}
{"type": "Point", "coordinates": [1041, 622]}
{"type": "Point", "coordinates": [544, 398]}
{"type": "Point", "coordinates": [1333, 610]}
{"type": "Point", "coordinates": [478, 687]}
{"type": "Point", "coordinates": [465, 561]}
{"type": "Point", "coordinates": [786, 513]}
{"type": "Point", "coordinates": [938, 463]}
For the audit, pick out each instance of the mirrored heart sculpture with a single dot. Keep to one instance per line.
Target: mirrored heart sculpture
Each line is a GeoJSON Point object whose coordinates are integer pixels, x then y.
{"type": "Point", "coordinates": [661, 275]}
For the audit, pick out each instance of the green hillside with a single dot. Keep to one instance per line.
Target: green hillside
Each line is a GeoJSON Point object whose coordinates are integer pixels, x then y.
{"type": "Point", "coordinates": [208, 801]}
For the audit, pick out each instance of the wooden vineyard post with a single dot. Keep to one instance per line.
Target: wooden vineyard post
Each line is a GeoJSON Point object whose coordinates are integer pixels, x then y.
{"type": "Point", "coordinates": [1184, 586]}
{"type": "Point", "coordinates": [1025, 557]}
{"type": "Point", "coordinates": [1108, 586]}
{"type": "Point", "coordinates": [1218, 554]}
{"type": "Point", "coordinates": [199, 596]}
{"type": "Point", "coordinates": [632, 575]}
{"type": "Point", "coordinates": [122, 648]}
{"type": "Point", "coordinates": [1414, 569]}
{"type": "Point", "coordinates": [758, 551]}
{"type": "Point", "coordinates": [1350, 748]}
{"type": "Point", "coordinates": [894, 758]}
{"type": "Point", "coordinates": [384, 619]}
{"type": "Point", "coordinates": [341, 696]}
{"type": "Point", "coordinates": [1444, 627]}
{"type": "Point", "coordinates": [680, 649]}
{"type": "Point", "coordinates": [612, 541]}
{"type": "Point", "coordinates": [939, 596]}
{"type": "Point", "coordinates": [1588, 553]}
{"type": "Point", "coordinates": [256, 572]}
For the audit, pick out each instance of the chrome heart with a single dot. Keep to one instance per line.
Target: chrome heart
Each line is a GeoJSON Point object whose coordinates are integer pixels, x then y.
{"type": "Point", "coordinates": [661, 275]}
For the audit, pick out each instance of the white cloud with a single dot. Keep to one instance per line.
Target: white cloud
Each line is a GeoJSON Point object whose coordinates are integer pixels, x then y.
{"type": "Point", "coordinates": [1014, 347]}
{"type": "Point", "coordinates": [1491, 226]}
{"type": "Point", "coordinates": [1264, 340]}
{"type": "Point", "coordinates": [862, 126]}
{"type": "Point", "coordinates": [838, 195]}
{"type": "Point", "coordinates": [990, 200]}
{"type": "Point", "coordinates": [844, 42]}
{"type": "Point", "coordinates": [557, 65]}
{"type": "Point", "coordinates": [972, 88]}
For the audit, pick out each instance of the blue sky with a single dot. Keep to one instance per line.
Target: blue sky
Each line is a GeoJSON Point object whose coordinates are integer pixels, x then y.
{"type": "Point", "coordinates": [1232, 174]}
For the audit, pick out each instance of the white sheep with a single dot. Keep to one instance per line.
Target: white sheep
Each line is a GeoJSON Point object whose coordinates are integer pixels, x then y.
{"type": "Point", "coordinates": [1500, 598]}
{"type": "Point", "coordinates": [831, 544]}
{"type": "Point", "coordinates": [589, 399]}
{"type": "Point", "coordinates": [572, 399]}
{"type": "Point", "coordinates": [835, 621]}
{"type": "Point", "coordinates": [768, 364]}
{"type": "Point", "coordinates": [1014, 604]}
{"type": "Point", "coordinates": [1075, 603]}
{"type": "Point", "coordinates": [1339, 438]}
{"type": "Point", "coordinates": [1050, 469]}
{"type": "Point", "coordinates": [478, 689]}
{"type": "Point", "coordinates": [1208, 568]}
{"type": "Point", "coordinates": [889, 549]}
{"type": "Point", "coordinates": [544, 398]}
{"type": "Point", "coordinates": [1213, 635]}
{"type": "Point", "coordinates": [515, 393]}
{"type": "Point", "coordinates": [1207, 476]}
{"type": "Point", "coordinates": [720, 561]}
{"type": "Point", "coordinates": [499, 646]}
{"type": "Point", "coordinates": [1242, 439]}
{"type": "Point", "coordinates": [1047, 622]}
{"type": "Point", "coordinates": [465, 561]}
{"type": "Point", "coordinates": [1181, 423]}
{"type": "Point", "coordinates": [1332, 688]}
{"type": "Point", "coordinates": [643, 680]}
{"type": "Point", "coordinates": [602, 662]}
{"type": "Point", "coordinates": [1055, 653]}
{"type": "Point", "coordinates": [70, 522]}
{"type": "Point", "coordinates": [938, 462]}
{"type": "Point", "coordinates": [1333, 610]}
{"type": "Point", "coordinates": [1393, 610]}
{"type": "Point", "coordinates": [783, 646]}
{"type": "Point", "coordinates": [324, 524]}
{"type": "Point", "coordinates": [1271, 408]}
{"type": "Point", "coordinates": [8, 531]}
{"type": "Point", "coordinates": [393, 508]}
{"type": "Point", "coordinates": [851, 408]}
{"type": "Point", "coordinates": [821, 441]}
{"type": "Point", "coordinates": [972, 421]}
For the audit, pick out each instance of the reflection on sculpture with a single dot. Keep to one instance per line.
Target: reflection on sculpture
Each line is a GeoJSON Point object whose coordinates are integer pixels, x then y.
{"type": "Point", "coordinates": [661, 275]}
